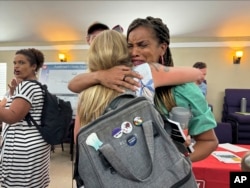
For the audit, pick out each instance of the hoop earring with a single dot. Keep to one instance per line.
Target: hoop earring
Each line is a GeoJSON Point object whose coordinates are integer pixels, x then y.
{"type": "Point", "coordinates": [162, 60]}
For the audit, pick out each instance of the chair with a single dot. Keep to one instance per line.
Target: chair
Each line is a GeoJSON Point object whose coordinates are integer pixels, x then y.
{"type": "Point", "coordinates": [69, 138]}
{"type": "Point", "coordinates": [223, 132]}
{"type": "Point", "coordinates": [240, 123]}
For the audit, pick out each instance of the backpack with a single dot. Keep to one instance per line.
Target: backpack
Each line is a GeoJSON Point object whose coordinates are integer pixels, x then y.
{"type": "Point", "coordinates": [128, 147]}
{"type": "Point", "coordinates": [56, 117]}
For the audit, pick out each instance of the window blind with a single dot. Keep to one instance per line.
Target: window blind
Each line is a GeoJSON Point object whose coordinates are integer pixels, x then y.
{"type": "Point", "coordinates": [3, 79]}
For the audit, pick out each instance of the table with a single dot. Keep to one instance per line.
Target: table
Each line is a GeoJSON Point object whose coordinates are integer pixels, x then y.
{"type": "Point", "coordinates": [211, 173]}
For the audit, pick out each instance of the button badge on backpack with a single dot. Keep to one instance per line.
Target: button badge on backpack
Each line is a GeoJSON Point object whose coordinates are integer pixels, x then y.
{"type": "Point", "coordinates": [131, 140]}
{"type": "Point", "coordinates": [126, 127]}
{"type": "Point", "coordinates": [138, 121]}
{"type": "Point", "coordinates": [117, 132]}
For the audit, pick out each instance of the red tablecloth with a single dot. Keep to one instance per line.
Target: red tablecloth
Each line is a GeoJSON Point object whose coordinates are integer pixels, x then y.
{"type": "Point", "coordinates": [211, 173]}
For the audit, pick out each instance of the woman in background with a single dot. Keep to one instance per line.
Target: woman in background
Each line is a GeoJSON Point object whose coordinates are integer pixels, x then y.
{"type": "Point", "coordinates": [25, 156]}
{"type": "Point", "coordinates": [144, 35]}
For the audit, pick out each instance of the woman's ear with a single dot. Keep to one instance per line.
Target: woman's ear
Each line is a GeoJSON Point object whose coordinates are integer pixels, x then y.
{"type": "Point", "coordinates": [163, 47]}
{"type": "Point", "coordinates": [88, 39]}
{"type": "Point", "coordinates": [34, 67]}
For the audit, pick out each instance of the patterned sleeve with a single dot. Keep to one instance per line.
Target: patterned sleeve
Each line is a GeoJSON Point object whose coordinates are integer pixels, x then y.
{"type": "Point", "coordinates": [147, 88]}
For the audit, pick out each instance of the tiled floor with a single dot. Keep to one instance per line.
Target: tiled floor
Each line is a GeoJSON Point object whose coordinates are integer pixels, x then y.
{"type": "Point", "coordinates": [61, 168]}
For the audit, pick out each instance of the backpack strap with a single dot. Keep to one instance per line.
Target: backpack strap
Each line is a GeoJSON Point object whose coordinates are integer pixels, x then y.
{"type": "Point", "coordinates": [43, 86]}
{"type": "Point", "coordinates": [30, 120]}
{"type": "Point", "coordinates": [28, 117]}
{"type": "Point", "coordinates": [128, 95]}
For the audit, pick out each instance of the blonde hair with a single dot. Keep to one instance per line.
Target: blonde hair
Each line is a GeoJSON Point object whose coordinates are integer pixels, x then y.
{"type": "Point", "coordinates": [107, 50]}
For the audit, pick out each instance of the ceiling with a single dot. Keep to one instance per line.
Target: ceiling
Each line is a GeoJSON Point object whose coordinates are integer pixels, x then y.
{"type": "Point", "coordinates": [66, 21]}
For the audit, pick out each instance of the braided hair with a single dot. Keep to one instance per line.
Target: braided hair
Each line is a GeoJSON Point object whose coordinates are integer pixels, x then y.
{"type": "Point", "coordinates": [161, 31]}
{"type": "Point", "coordinates": [200, 65]}
{"type": "Point", "coordinates": [34, 56]}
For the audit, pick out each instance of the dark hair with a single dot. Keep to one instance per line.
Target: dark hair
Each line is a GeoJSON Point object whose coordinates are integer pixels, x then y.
{"type": "Point", "coordinates": [97, 26]}
{"type": "Point", "coordinates": [200, 65]}
{"type": "Point", "coordinates": [118, 28]}
{"type": "Point", "coordinates": [34, 56]}
{"type": "Point", "coordinates": [161, 32]}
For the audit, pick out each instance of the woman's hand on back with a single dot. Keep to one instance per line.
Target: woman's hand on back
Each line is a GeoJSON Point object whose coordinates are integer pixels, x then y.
{"type": "Point", "coordinates": [119, 77]}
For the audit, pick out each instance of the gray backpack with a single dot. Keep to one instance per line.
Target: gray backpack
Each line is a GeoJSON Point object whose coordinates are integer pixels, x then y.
{"type": "Point", "coordinates": [127, 147]}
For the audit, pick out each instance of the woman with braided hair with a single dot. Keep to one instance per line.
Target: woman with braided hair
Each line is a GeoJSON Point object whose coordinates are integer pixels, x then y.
{"type": "Point", "coordinates": [148, 41]}
{"type": "Point", "coordinates": [143, 37]}
{"type": "Point", "coordinates": [25, 156]}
